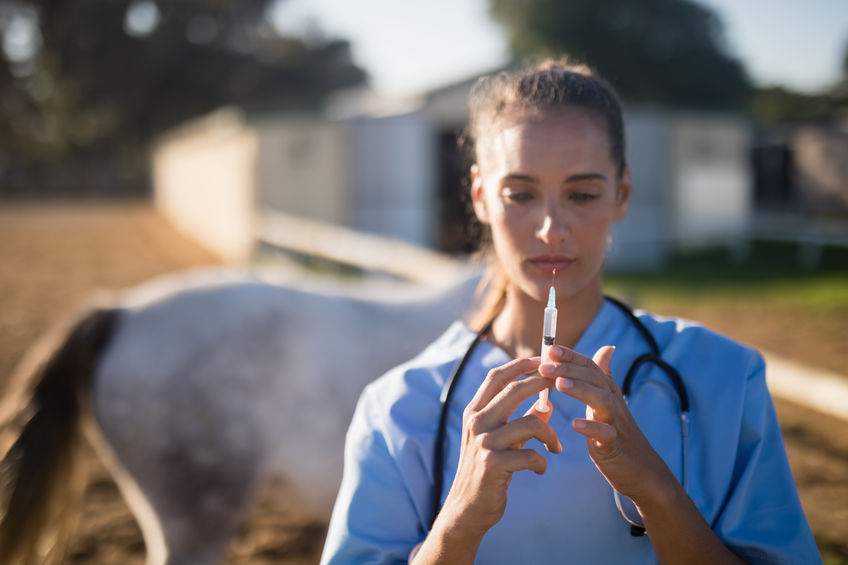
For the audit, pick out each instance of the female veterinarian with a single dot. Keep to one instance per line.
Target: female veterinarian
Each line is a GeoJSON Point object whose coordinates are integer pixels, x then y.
{"type": "Point", "coordinates": [449, 458]}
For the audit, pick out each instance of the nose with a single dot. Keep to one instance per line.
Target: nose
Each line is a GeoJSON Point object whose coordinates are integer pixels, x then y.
{"type": "Point", "coordinates": [553, 228]}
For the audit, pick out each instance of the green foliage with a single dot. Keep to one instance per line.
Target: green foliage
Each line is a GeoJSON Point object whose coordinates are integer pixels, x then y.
{"type": "Point", "coordinates": [776, 104]}
{"type": "Point", "coordinates": [771, 274]}
{"type": "Point", "coordinates": [96, 88]}
{"type": "Point", "coordinates": [662, 51]}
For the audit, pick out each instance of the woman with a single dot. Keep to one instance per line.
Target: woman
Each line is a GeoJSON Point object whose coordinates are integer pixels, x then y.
{"type": "Point", "coordinates": [550, 180]}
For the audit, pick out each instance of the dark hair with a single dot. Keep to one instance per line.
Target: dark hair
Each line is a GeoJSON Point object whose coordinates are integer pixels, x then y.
{"type": "Point", "coordinates": [550, 85]}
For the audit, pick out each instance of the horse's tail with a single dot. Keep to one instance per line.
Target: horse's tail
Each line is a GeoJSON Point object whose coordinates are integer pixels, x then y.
{"type": "Point", "coordinates": [41, 473]}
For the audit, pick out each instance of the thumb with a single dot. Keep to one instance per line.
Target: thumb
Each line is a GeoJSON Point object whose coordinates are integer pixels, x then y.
{"type": "Point", "coordinates": [603, 358]}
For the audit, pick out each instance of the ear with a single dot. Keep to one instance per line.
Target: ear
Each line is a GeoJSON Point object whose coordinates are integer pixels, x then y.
{"type": "Point", "coordinates": [623, 193]}
{"type": "Point", "coordinates": [478, 200]}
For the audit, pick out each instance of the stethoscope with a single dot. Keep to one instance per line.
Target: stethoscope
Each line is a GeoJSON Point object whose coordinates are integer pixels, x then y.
{"type": "Point", "coordinates": [637, 528]}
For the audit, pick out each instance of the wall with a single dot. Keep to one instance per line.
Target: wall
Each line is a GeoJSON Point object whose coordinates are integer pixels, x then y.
{"type": "Point", "coordinates": [821, 170]}
{"type": "Point", "coordinates": [203, 177]}
{"type": "Point", "coordinates": [642, 241]}
{"type": "Point", "coordinates": [374, 174]}
{"type": "Point", "coordinates": [303, 168]}
{"type": "Point", "coordinates": [712, 180]}
{"type": "Point", "coordinates": [393, 162]}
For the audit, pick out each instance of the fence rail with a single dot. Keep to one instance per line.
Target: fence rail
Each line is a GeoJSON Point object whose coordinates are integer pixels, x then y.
{"type": "Point", "coordinates": [350, 247]}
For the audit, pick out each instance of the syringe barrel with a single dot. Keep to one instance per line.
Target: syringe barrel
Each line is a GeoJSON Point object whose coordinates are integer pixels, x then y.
{"type": "Point", "coordinates": [549, 332]}
{"type": "Point", "coordinates": [548, 335]}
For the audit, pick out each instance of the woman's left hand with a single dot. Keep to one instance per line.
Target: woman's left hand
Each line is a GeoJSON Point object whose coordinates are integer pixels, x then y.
{"type": "Point", "coordinates": [617, 446]}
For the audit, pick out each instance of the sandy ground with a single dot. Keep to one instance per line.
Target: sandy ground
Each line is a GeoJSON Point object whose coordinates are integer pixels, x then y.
{"type": "Point", "coordinates": [53, 256]}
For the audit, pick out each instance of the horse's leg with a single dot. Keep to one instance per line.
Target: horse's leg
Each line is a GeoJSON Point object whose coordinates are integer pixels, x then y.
{"type": "Point", "coordinates": [186, 456]}
{"type": "Point", "coordinates": [200, 516]}
{"type": "Point", "coordinates": [188, 507]}
{"type": "Point", "coordinates": [145, 515]}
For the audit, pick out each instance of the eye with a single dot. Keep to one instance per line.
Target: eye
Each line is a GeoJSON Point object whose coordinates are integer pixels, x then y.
{"type": "Point", "coordinates": [517, 196]}
{"type": "Point", "coordinates": [580, 196]}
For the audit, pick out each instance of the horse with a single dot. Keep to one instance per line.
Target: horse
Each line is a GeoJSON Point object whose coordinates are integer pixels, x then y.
{"type": "Point", "coordinates": [196, 390]}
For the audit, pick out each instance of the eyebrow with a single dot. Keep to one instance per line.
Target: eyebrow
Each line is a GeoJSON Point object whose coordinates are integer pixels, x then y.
{"type": "Point", "coordinates": [573, 178]}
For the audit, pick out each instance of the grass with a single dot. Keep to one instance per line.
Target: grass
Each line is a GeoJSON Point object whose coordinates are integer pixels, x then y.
{"type": "Point", "coordinates": [771, 275]}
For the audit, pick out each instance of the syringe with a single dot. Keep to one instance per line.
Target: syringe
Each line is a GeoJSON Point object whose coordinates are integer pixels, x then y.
{"type": "Point", "coordinates": [548, 335]}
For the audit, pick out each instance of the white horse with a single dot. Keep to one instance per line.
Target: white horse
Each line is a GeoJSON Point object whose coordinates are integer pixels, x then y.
{"type": "Point", "coordinates": [196, 392]}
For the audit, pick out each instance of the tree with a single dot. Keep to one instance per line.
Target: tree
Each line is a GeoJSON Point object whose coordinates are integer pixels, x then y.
{"type": "Point", "coordinates": [96, 80]}
{"type": "Point", "coordinates": [776, 104]}
{"type": "Point", "coordinates": [662, 51]}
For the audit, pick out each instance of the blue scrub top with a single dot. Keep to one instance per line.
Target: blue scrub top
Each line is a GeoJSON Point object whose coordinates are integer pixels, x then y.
{"type": "Point", "coordinates": [737, 471]}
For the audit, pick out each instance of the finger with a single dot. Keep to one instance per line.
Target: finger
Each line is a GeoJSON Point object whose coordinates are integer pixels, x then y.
{"type": "Point", "coordinates": [520, 459]}
{"type": "Point", "coordinates": [601, 400]}
{"type": "Point", "coordinates": [576, 364]}
{"type": "Point", "coordinates": [415, 551]}
{"type": "Point", "coordinates": [507, 401]}
{"type": "Point", "coordinates": [562, 354]}
{"type": "Point", "coordinates": [499, 377]}
{"type": "Point", "coordinates": [601, 433]}
{"type": "Point", "coordinates": [603, 358]}
{"type": "Point", "coordinates": [593, 375]}
{"type": "Point", "coordinates": [516, 433]}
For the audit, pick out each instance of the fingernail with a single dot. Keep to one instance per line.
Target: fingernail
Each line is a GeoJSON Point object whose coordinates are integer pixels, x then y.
{"type": "Point", "coordinates": [579, 424]}
{"type": "Point", "coordinates": [546, 369]}
{"type": "Point", "coordinates": [566, 383]}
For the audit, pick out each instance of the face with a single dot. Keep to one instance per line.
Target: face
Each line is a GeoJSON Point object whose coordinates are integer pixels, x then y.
{"type": "Point", "coordinates": [549, 190]}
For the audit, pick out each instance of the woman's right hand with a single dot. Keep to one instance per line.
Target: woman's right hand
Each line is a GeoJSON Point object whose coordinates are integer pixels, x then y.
{"type": "Point", "coordinates": [492, 450]}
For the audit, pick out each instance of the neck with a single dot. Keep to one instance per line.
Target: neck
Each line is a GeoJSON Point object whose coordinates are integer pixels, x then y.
{"type": "Point", "coordinates": [518, 328]}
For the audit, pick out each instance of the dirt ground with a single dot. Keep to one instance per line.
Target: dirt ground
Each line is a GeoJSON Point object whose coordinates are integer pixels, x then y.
{"type": "Point", "coordinates": [54, 255]}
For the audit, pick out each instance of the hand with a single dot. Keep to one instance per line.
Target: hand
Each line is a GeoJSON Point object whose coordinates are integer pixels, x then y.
{"type": "Point", "coordinates": [616, 445]}
{"type": "Point", "coordinates": [492, 446]}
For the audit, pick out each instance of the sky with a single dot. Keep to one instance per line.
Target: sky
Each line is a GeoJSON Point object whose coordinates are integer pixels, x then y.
{"type": "Point", "coordinates": [415, 45]}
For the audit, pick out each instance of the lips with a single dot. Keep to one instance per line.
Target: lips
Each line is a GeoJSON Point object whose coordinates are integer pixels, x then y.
{"type": "Point", "coordinates": [548, 263]}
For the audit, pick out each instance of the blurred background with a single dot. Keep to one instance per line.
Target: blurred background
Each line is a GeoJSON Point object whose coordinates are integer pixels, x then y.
{"type": "Point", "coordinates": [140, 137]}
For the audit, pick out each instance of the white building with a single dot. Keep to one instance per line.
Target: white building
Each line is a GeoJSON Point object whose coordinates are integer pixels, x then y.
{"type": "Point", "coordinates": [397, 175]}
